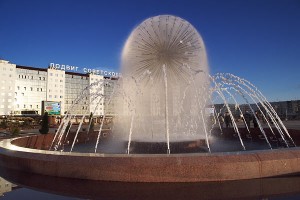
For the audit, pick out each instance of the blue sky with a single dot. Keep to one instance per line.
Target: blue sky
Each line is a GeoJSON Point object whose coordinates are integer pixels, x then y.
{"type": "Point", "coordinates": [255, 39]}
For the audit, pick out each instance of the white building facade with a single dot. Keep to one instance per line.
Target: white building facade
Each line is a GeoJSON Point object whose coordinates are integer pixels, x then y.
{"type": "Point", "coordinates": [30, 90]}
{"type": "Point", "coordinates": [23, 89]}
{"type": "Point", "coordinates": [7, 87]}
{"type": "Point", "coordinates": [56, 86]}
{"type": "Point", "coordinates": [96, 98]}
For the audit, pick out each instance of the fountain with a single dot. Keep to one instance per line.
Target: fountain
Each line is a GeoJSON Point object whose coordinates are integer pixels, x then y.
{"type": "Point", "coordinates": [168, 127]}
{"type": "Point", "coordinates": [164, 62]}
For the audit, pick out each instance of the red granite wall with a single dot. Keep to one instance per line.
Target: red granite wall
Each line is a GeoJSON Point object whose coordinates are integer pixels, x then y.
{"type": "Point", "coordinates": [153, 168]}
{"type": "Point", "coordinates": [44, 141]}
{"type": "Point", "coordinates": [146, 167]}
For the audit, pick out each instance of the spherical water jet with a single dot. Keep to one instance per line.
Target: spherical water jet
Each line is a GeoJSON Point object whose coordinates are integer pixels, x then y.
{"type": "Point", "coordinates": [165, 72]}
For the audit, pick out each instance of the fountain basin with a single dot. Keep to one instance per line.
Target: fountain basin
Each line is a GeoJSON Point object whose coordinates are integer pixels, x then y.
{"type": "Point", "coordinates": [193, 167]}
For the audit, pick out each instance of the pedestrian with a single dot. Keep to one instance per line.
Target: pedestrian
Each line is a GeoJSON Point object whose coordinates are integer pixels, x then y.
{"type": "Point", "coordinates": [255, 118]}
{"type": "Point", "coordinates": [247, 117]}
{"type": "Point", "coordinates": [221, 120]}
{"type": "Point", "coordinates": [227, 120]}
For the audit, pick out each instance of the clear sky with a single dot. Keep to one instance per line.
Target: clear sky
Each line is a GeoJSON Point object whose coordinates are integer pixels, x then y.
{"type": "Point", "coordinates": [255, 39]}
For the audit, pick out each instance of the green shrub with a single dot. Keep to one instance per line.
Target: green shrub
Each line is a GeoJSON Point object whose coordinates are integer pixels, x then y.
{"type": "Point", "coordinates": [15, 131]}
{"type": "Point", "coordinates": [3, 124]}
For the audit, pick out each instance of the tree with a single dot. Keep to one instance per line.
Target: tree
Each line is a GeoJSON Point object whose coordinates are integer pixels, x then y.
{"type": "Point", "coordinates": [45, 124]}
{"type": "Point", "coordinates": [3, 124]}
{"type": "Point", "coordinates": [14, 130]}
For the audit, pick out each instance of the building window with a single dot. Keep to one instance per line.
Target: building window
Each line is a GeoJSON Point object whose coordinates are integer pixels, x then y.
{"type": "Point", "coordinates": [44, 78]}
{"type": "Point", "coordinates": [31, 89]}
{"type": "Point", "coordinates": [18, 87]}
{"type": "Point", "coordinates": [24, 106]}
{"type": "Point", "coordinates": [25, 88]}
{"type": "Point", "coordinates": [38, 89]}
{"type": "Point", "coordinates": [40, 78]}
{"type": "Point", "coordinates": [50, 96]}
{"type": "Point", "coordinates": [37, 106]}
{"type": "Point", "coordinates": [41, 89]}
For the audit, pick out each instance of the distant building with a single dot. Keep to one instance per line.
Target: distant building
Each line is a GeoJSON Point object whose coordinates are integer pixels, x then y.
{"type": "Point", "coordinates": [23, 89]}
{"type": "Point", "coordinates": [285, 109]}
{"type": "Point", "coordinates": [29, 91]}
{"type": "Point", "coordinates": [7, 87]}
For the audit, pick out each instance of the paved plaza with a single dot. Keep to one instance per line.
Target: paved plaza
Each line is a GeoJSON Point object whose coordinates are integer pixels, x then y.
{"type": "Point", "coordinates": [293, 124]}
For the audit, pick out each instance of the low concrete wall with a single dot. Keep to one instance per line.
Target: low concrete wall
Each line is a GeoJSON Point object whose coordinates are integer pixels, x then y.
{"type": "Point", "coordinates": [149, 167]}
